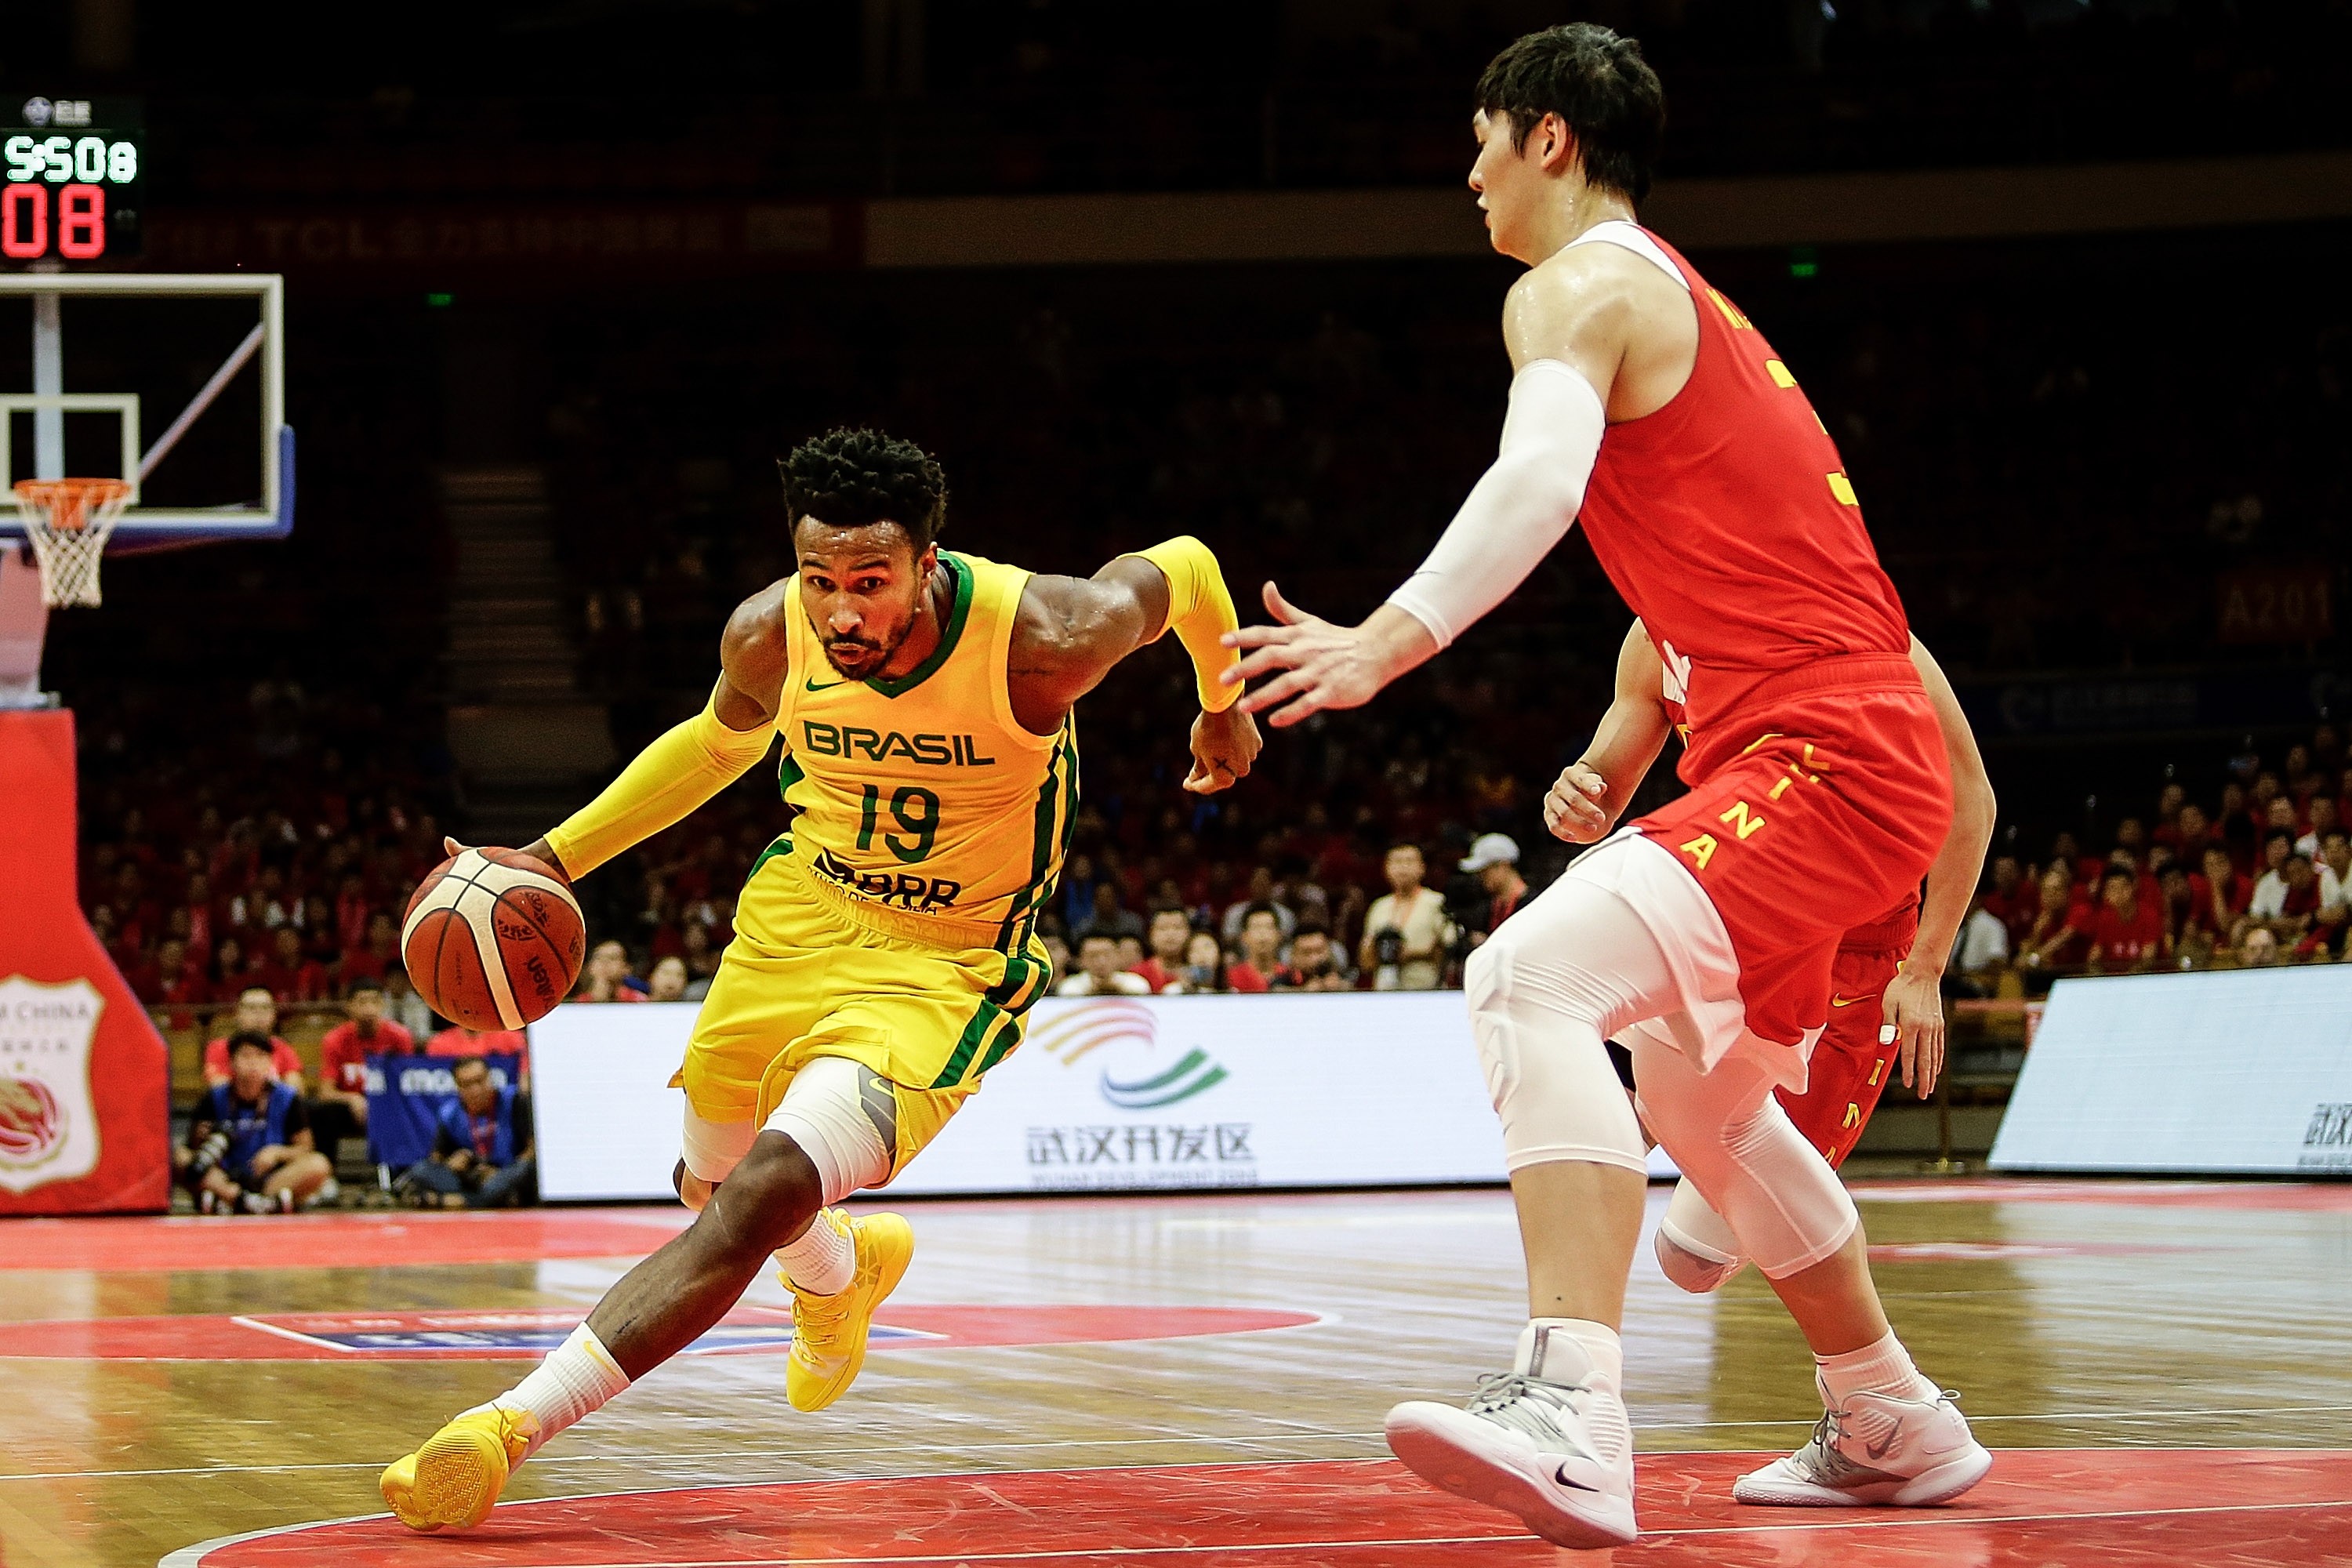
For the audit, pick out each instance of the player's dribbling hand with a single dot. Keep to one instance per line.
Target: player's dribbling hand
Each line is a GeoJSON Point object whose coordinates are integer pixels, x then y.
{"type": "Point", "coordinates": [1328, 666]}
{"type": "Point", "coordinates": [1224, 745]}
{"type": "Point", "coordinates": [1572, 807]}
{"type": "Point", "coordinates": [538, 849]}
{"type": "Point", "coordinates": [1915, 1009]}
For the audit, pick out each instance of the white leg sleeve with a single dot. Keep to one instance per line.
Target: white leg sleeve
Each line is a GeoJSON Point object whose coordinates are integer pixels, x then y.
{"type": "Point", "coordinates": [845, 1119]}
{"type": "Point", "coordinates": [1545, 991]}
{"type": "Point", "coordinates": [713, 1149]}
{"type": "Point", "coordinates": [1735, 1145]}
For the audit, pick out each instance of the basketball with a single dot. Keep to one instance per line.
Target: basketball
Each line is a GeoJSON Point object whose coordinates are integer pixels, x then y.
{"type": "Point", "coordinates": [493, 939]}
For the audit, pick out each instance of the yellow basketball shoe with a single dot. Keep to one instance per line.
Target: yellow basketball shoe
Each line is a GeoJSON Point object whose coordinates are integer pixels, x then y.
{"type": "Point", "coordinates": [461, 1469]}
{"type": "Point", "coordinates": [829, 1331]}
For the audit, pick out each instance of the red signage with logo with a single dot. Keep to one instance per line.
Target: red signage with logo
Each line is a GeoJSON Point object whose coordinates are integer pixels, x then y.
{"type": "Point", "coordinates": [85, 1080]}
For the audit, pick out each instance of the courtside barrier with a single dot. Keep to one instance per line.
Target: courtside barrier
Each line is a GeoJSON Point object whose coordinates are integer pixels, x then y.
{"type": "Point", "coordinates": [2237, 1072]}
{"type": "Point", "coordinates": [1109, 1094]}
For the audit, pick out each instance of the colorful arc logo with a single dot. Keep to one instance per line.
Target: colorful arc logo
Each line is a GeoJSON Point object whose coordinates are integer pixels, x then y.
{"type": "Point", "coordinates": [1093, 1025]}
{"type": "Point", "coordinates": [1193, 1075]}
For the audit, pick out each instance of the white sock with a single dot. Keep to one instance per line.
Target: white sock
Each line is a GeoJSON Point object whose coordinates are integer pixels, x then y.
{"type": "Point", "coordinates": [1571, 1350]}
{"type": "Point", "coordinates": [1882, 1368]}
{"type": "Point", "coordinates": [823, 1261]}
{"type": "Point", "coordinates": [579, 1377]}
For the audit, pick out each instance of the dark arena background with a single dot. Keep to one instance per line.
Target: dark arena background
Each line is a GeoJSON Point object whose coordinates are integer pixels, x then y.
{"type": "Point", "coordinates": [439, 359]}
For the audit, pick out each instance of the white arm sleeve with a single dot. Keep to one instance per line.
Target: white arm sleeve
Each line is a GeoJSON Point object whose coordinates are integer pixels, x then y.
{"type": "Point", "coordinates": [1523, 505]}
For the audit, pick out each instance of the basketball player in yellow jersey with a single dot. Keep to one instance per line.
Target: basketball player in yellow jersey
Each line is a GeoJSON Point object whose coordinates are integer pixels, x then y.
{"type": "Point", "coordinates": [884, 950]}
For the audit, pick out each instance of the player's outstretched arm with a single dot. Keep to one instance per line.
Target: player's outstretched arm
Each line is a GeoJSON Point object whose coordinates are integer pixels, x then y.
{"type": "Point", "coordinates": [1568, 324]}
{"type": "Point", "coordinates": [1593, 790]}
{"type": "Point", "coordinates": [1073, 630]}
{"type": "Point", "coordinates": [1914, 1003]}
{"type": "Point", "coordinates": [694, 761]}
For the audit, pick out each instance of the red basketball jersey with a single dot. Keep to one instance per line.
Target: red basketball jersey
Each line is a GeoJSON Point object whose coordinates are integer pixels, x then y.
{"type": "Point", "coordinates": [1727, 521]}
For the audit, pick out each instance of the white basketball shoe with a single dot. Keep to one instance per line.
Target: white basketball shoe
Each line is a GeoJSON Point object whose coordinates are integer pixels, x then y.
{"type": "Point", "coordinates": [1875, 1451]}
{"type": "Point", "coordinates": [1550, 1443]}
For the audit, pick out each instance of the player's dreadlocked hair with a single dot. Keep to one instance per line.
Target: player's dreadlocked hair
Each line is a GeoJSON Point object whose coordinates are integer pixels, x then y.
{"type": "Point", "coordinates": [1595, 80]}
{"type": "Point", "coordinates": [849, 477]}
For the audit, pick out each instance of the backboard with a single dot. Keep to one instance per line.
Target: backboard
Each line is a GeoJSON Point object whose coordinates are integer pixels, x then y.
{"type": "Point", "coordinates": [174, 382]}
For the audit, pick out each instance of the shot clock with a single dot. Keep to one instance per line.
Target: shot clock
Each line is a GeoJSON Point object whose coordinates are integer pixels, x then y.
{"type": "Point", "coordinates": [71, 171]}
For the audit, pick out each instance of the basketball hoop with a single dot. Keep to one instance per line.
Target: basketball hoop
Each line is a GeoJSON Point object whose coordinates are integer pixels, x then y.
{"type": "Point", "coordinates": [69, 522]}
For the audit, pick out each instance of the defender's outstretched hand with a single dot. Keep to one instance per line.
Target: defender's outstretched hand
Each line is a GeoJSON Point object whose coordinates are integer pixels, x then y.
{"type": "Point", "coordinates": [1329, 666]}
{"type": "Point", "coordinates": [1224, 745]}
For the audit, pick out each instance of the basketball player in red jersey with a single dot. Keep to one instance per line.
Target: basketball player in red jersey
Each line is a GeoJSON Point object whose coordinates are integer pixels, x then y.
{"type": "Point", "coordinates": [1886, 1008]}
{"type": "Point", "coordinates": [1647, 403]}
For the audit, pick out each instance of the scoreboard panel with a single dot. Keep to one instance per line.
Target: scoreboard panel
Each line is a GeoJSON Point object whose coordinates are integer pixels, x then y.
{"type": "Point", "coordinates": [71, 173]}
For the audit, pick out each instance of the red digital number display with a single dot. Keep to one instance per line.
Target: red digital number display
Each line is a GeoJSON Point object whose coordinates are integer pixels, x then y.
{"type": "Point", "coordinates": [25, 222]}
{"type": "Point", "coordinates": [79, 224]}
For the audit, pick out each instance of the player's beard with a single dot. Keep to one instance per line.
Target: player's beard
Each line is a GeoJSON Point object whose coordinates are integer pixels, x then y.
{"type": "Point", "coordinates": [871, 657]}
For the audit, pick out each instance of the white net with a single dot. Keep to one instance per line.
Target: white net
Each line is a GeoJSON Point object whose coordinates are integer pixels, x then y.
{"type": "Point", "coordinates": [69, 522]}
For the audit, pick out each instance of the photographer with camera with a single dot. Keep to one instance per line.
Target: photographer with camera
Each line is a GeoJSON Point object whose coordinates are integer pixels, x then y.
{"type": "Point", "coordinates": [249, 1147]}
{"type": "Point", "coordinates": [1407, 930]}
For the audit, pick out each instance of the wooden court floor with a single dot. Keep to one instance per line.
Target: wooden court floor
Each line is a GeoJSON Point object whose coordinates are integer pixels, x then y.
{"type": "Point", "coordinates": [2166, 1372]}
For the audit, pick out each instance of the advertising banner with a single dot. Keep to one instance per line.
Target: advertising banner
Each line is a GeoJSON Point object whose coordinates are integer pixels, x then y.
{"type": "Point", "coordinates": [84, 1077]}
{"type": "Point", "coordinates": [2243, 1072]}
{"type": "Point", "coordinates": [1108, 1094]}
{"type": "Point", "coordinates": [405, 1094]}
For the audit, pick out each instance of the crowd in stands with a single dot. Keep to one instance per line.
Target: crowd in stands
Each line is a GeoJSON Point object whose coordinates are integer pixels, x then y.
{"type": "Point", "coordinates": [2257, 873]}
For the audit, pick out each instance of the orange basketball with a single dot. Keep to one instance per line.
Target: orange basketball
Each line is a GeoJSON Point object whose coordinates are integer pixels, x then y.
{"type": "Point", "coordinates": [493, 939]}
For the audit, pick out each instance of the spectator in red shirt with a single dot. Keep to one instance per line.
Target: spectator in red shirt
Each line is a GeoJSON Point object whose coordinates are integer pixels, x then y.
{"type": "Point", "coordinates": [380, 952]}
{"type": "Point", "coordinates": [287, 973]}
{"type": "Point", "coordinates": [353, 912]}
{"type": "Point", "coordinates": [2185, 836]}
{"type": "Point", "coordinates": [341, 1110]}
{"type": "Point", "coordinates": [256, 1014]}
{"type": "Point", "coordinates": [2128, 932]}
{"type": "Point", "coordinates": [606, 978]}
{"type": "Point", "coordinates": [231, 972]}
{"type": "Point", "coordinates": [2059, 938]}
{"type": "Point", "coordinates": [1163, 967]}
{"type": "Point", "coordinates": [2014, 899]}
{"type": "Point", "coordinates": [179, 979]}
{"type": "Point", "coordinates": [1259, 966]}
{"type": "Point", "coordinates": [2221, 897]}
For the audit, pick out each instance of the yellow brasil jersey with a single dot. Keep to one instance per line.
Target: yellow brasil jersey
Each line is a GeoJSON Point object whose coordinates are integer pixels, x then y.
{"type": "Point", "coordinates": [923, 794]}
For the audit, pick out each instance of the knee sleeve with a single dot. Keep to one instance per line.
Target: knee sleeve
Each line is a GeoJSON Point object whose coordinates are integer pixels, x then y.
{"type": "Point", "coordinates": [1696, 1249]}
{"type": "Point", "coordinates": [847, 1134]}
{"type": "Point", "coordinates": [1737, 1149]}
{"type": "Point", "coordinates": [712, 1150]}
{"type": "Point", "coordinates": [1544, 991]}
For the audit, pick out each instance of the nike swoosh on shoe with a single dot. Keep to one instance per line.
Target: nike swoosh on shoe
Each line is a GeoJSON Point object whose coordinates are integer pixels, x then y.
{"type": "Point", "coordinates": [1562, 1477]}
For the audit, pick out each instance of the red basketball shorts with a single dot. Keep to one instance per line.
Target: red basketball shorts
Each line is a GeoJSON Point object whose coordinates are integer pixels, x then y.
{"type": "Point", "coordinates": [1815, 809]}
{"type": "Point", "coordinates": [1850, 1067]}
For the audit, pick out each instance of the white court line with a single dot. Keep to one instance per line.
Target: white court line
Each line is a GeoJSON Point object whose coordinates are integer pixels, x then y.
{"type": "Point", "coordinates": [733, 1455]}
{"type": "Point", "coordinates": [190, 1556]}
{"type": "Point", "coordinates": [296, 1335]}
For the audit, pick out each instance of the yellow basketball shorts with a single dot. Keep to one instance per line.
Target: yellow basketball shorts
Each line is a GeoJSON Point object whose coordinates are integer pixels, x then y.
{"type": "Point", "coordinates": [811, 973]}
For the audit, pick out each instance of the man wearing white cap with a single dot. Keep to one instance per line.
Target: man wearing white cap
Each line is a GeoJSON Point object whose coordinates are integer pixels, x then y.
{"type": "Point", "coordinates": [1493, 859]}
